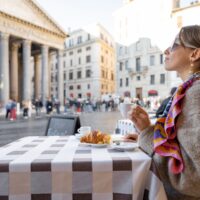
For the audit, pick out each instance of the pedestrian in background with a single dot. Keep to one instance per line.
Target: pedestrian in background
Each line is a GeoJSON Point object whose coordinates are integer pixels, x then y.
{"type": "Point", "coordinates": [164, 103]}
{"type": "Point", "coordinates": [8, 108]}
{"type": "Point", "coordinates": [13, 109]}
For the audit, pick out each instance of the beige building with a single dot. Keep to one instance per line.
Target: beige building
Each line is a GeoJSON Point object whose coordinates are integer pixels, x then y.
{"type": "Point", "coordinates": [89, 64]}
{"type": "Point", "coordinates": [27, 34]}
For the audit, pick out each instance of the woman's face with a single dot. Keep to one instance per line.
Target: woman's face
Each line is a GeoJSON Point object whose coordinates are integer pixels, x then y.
{"type": "Point", "coordinates": [177, 57]}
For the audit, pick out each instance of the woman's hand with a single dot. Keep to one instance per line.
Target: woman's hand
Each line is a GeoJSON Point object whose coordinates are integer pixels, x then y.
{"type": "Point", "coordinates": [131, 137]}
{"type": "Point", "coordinates": [140, 118]}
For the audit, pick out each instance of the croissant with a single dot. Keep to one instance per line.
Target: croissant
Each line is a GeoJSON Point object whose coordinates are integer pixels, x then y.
{"type": "Point", "coordinates": [96, 137]}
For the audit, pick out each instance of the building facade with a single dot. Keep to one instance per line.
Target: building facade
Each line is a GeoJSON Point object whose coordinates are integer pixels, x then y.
{"type": "Point", "coordinates": [132, 52]}
{"type": "Point", "coordinates": [140, 71]}
{"type": "Point", "coordinates": [27, 35]}
{"type": "Point", "coordinates": [89, 64]}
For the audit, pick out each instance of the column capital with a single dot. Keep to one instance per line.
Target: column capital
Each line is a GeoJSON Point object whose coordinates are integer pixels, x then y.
{"type": "Point", "coordinates": [45, 48]}
{"type": "Point", "coordinates": [4, 36]}
{"type": "Point", "coordinates": [15, 46]}
{"type": "Point", "coordinates": [27, 42]}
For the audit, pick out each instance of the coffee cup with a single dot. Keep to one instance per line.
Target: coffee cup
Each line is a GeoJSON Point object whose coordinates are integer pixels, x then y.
{"type": "Point", "coordinates": [84, 130]}
{"type": "Point", "coordinates": [125, 108]}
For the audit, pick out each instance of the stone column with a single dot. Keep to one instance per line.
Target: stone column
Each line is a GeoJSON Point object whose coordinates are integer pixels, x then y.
{"type": "Point", "coordinates": [4, 68]}
{"type": "Point", "coordinates": [37, 70]}
{"type": "Point", "coordinates": [14, 71]}
{"type": "Point", "coordinates": [26, 88]}
{"type": "Point", "coordinates": [60, 77]}
{"type": "Point", "coordinates": [45, 73]}
{"type": "Point", "coordinates": [50, 71]}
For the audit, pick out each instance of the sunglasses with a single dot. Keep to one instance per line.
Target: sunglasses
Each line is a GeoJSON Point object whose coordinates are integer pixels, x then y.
{"type": "Point", "coordinates": [177, 43]}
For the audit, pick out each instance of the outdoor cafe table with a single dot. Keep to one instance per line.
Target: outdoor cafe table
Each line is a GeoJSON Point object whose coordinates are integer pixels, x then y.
{"type": "Point", "coordinates": [60, 168]}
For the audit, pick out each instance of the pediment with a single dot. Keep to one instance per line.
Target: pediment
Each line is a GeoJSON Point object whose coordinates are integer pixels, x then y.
{"type": "Point", "coordinates": [30, 11]}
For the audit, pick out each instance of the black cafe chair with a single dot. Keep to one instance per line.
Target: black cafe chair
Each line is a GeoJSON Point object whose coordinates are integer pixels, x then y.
{"type": "Point", "coordinates": [62, 125]}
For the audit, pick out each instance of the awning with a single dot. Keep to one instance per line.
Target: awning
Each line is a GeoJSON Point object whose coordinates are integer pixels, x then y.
{"type": "Point", "coordinates": [153, 92]}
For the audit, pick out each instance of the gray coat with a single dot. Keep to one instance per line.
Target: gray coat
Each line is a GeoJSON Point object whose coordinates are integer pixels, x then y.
{"type": "Point", "coordinates": [186, 185]}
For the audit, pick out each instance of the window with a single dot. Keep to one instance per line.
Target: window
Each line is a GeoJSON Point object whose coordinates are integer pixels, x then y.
{"type": "Point", "coordinates": [71, 53]}
{"type": "Point", "coordinates": [120, 66]}
{"type": "Point", "coordinates": [79, 60]}
{"type": "Point", "coordinates": [64, 64]}
{"type": "Point", "coordinates": [64, 76]}
{"type": "Point", "coordinates": [127, 82]}
{"type": "Point", "coordinates": [126, 64]}
{"type": "Point", "coordinates": [102, 59]}
{"type": "Point", "coordinates": [71, 42]}
{"type": "Point", "coordinates": [71, 62]}
{"type": "Point", "coordinates": [52, 78]}
{"type": "Point", "coordinates": [161, 58]}
{"type": "Point", "coordinates": [120, 82]}
{"type": "Point", "coordinates": [112, 76]}
{"type": "Point", "coordinates": [162, 78]}
{"type": "Point", "coordinates": [138, 64]}
{"type": "Point", "coordinates": [79, 74]}
{"type": "Point", "coordinates": [88, 86]}
{"type": "Point", "coordinates": [152, 60]}
{"type": "Point", "coordinates": [64, 54]}
{"type": "Point", "coordinates": [88, 48]}
{"type": "Point", "coordinates": [120, 51]}
{"type": "Point", "coordinates": [88, 36]}
{"type": "Point", "coordinates": [71, 87]}
{"type": "Point", "coordinates": [138, 78]}
{"type": "Point", "coordinates": [88, 73]}
{"type": "Point", "coordinates": [78, 87]}
{"type": "Point", "coordinates": [102, 73]}
{"type": "Point", "coordinates": [152, 79]}
{"type": "Point", "coordinates": [88, 59]}
{"type": "Point", "coordinates": [70, 75]}
{"type": "Point", "coordinates": [79, 50]}
{"type": "Point", "coordinates": [79, 40]}
{"type": "Point", "coordinates": [56, 78]}
{"type": "Point", "coordinates": [56, 65]}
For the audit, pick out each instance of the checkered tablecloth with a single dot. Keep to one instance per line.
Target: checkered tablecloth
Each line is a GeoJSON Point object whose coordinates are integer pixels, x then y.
{"type": "Point", "coordinates": [60, 168]}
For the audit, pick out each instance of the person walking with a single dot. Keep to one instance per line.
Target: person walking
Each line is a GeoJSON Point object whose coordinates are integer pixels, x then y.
{"type": "Point", "coordinates": [13, 115]}
{"type": "Point", "coordinates": [8, 108]}
{"type": "Point", "coordinates": [173, 142]}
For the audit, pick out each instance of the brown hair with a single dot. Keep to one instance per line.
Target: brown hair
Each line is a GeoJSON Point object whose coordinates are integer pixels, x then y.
{"type": "Point", "coordinates": [190, 35]}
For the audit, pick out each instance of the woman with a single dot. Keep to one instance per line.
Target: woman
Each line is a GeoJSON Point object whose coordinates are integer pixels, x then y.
{"type": "Point", "coordinates": [174, 141]}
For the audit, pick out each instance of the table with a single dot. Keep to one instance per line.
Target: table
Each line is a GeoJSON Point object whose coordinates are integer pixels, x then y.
{"type": "Point", "coordinates": [60, 168]}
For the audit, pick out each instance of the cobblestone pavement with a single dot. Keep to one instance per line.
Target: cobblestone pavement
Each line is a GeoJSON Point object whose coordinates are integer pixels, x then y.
{"type": "Point", "coordinates": [13, 130]}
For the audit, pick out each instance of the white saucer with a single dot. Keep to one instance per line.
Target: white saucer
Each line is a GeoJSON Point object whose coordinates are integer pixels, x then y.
{"type": "Point", "coordinates": [125, 146]}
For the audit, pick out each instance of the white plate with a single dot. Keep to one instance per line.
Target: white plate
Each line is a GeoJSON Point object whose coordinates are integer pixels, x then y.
{"type": "Point", "coordinates": [94, 145]}
{"type": "Point", "coordinates": [125, 146]}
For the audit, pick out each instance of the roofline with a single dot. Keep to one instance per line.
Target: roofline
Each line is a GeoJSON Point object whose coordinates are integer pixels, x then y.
{"type": "Point", "coordinates": [34, 25]}
{"type": "Point", "coordinates": [43, 11]}
{"type": "Point", "coordinates": [184, 8]}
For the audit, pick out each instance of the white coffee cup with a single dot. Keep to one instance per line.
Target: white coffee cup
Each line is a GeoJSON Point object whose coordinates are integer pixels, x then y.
{"type": "Point", "coordinates": [125, 108]}
{"type": "Point", "coordinates": [84, 130]}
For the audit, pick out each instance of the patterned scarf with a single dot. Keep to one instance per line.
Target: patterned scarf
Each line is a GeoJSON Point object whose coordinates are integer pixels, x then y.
{"type": "Point", "coordinates": [165, 133]}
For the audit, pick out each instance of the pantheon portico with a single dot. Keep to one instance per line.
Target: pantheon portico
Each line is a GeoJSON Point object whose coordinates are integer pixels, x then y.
{"type": "Point", "coordinates": [28, 35]}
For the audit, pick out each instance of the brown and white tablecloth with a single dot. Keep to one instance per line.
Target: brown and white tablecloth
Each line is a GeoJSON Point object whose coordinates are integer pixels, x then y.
{"type": "Point", "coordinates": [60, 168]}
